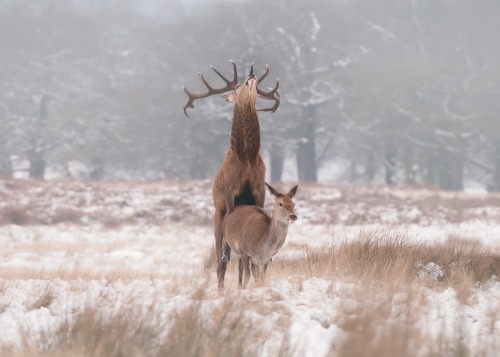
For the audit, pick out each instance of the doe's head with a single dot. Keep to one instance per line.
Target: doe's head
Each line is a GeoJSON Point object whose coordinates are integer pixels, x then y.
{"type": "Point", "coordinates": [283, 209]}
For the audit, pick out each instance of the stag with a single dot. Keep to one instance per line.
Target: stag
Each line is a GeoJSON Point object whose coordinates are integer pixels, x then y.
{"type": "Point", "coordinates": [240, 179]}
{"type": "Point", "coordinates": [256, 236]}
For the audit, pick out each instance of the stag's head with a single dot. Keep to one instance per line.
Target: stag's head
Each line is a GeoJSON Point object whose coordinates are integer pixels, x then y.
{"type": "Point", "coordinates": [244, 93]}
{"type": "Point", "coordinates": [283, 209]}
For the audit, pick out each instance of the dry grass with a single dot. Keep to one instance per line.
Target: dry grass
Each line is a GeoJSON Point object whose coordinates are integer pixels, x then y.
{"type": "Point", "coordinates": [122, 336]}
{"type": "Point", "coordinates": [395, 261]}
{"type": "Point", "coordinates": [377, 328]}
{"type": "Point", "coordinates": [15, 214]}
{"type": "Point", "coordinates": [92, 335]}
{"type": "Point", "coordinates": [382, 312]}
{"type": "Point", "coordinates": [390, 277]}
{"type": "Point", "coordinates": [67, 215]}
{"type": "Point", "coordinates": [44, 300]}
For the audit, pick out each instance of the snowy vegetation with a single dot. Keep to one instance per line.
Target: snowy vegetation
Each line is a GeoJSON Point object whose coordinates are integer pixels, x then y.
{"type": "Point", "coordinates": [115, 268]}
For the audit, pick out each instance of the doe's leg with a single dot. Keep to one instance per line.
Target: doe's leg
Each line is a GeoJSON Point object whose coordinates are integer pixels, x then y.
{"type": "Point", "coordinates": [258, 275]}
{"type": "Point", "coordinates": [245, 259]}
{"type": "Point", "coordinates": [263, 276]}
{"type": "Point", "coordinates": [240, 272]}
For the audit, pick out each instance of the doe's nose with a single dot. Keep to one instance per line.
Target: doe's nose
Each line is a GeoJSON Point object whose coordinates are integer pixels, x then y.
{"type": "Point", "coordinates": [293, 217]}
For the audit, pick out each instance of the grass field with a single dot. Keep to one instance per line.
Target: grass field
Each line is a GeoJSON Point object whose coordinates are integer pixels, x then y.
{"type": "Point", "coordinates": [125, 269]}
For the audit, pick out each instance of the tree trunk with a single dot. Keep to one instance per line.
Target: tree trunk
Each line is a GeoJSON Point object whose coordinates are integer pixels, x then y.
{"type": "Point", "coordinates": [407, 158]}
{"type": "Point", "coordinates": [458, 166]}
{"type": "Point", "coordinates": [353, 171]}
{"type": "Point", "coordinates": [431, 174]}
{"type": "Point", "coordinates": [451, 172]}
{"type": "Point", "coordinates": [454, 163]}
{"type": "Point", "coordinates": [391, 153]}
{"type": "Point", "coordinates": [97, 172]}
{"type": "Point", "coordinates": [5, 167]}
{"type": "Point", "coordinates": [496, 173]}
{"type": "Point", "coordinates": [306, 152]}
{"type": "Point", "coordinates": [277, 161]}
{"type": "Point", "coordinates": [370, 166]}
{"type": "Point", "coordinates": [197, 167]}
{"type": "Point", "coordinates": [37, 165]}
{"type": "Point", "coordinates": [444, 170]}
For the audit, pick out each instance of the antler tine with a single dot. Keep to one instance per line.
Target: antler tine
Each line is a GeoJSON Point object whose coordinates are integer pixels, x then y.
{"type": "Point", "coordinates": [230, 85]}
{"type": "Point", "coordinates": [210, 89]}
{"type": "Point", "coordinates": [271, 95]}
{"type": "Point", "coordinates": [233, 82]}
{"type": "Point", "coordinates": [264, 75]}
{"type": "Point", "coordinates": [274, 107]}
{"type": "Point", "coordinates": [189, 104]}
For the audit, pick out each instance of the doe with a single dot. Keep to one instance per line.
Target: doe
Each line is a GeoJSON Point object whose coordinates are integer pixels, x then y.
{"type": "Point", "coordinates": [256, 236]}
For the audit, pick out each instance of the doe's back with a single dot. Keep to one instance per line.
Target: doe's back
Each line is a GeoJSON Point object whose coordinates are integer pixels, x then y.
{"type": "Point", "coordinates": [244, 225]}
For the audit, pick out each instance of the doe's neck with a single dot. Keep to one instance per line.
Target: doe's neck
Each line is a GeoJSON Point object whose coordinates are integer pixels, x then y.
{"type": "Point", "coordinates": [277, 233]}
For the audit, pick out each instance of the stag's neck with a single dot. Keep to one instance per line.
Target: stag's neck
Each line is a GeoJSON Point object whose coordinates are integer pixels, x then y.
{"type": "Point", "coordinates": [245, 132]}
{"type": "Point", "coordinates": [276, 235]}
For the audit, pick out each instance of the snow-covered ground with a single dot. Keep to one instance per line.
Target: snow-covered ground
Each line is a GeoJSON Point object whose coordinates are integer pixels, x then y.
{"type": "Point", "coordinates": [140, 253]}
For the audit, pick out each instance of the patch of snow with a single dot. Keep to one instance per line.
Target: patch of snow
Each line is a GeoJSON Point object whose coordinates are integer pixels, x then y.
{"type": "Point", "coordinates": [431, 270]}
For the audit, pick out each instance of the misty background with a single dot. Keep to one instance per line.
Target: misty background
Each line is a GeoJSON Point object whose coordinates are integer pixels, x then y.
{"type": "Point", "coordinates": [390, 91]}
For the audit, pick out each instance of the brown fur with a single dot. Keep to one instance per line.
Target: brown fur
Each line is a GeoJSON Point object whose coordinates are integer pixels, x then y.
{"type": "Point", "coordinates": [240, 178]}
{"type": "Point", "coordinates": [256, 236]}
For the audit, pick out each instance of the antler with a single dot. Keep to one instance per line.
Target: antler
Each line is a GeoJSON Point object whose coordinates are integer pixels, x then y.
{"type": "Point", "coordinates": [230, 85]}
{"type": "Point", "coordinates": [271, 95]}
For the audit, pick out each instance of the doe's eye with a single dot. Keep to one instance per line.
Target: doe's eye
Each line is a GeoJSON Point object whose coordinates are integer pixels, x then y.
{"type": "Point", "coordinates": [281, 204]}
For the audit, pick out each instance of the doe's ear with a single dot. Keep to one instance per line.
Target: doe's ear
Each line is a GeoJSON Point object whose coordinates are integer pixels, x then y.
{"type": "Point", "coordinates": [293, 191]}
{"type": "Point", "coordinates": [273, 191]}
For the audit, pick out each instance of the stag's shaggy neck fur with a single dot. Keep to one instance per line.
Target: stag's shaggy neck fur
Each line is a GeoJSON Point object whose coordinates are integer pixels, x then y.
{"type": "Point", "coordinates": [245, 131]}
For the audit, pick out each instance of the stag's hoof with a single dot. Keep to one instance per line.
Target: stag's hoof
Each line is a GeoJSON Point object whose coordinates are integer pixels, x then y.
{"type": "Point", "coordinates": [225, 258]}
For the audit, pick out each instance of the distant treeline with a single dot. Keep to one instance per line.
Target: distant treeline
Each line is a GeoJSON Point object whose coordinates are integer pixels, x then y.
{"type": "Point", "coordinates": [406, 91]}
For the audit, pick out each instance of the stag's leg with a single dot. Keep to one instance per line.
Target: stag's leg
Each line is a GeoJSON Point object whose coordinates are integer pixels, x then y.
{"type": "Point", "coordinates": [260, 196]}
{"type": "Point", "coordinates": [226, 252]}
{"type": "Point", "coordinates": [259, 186]}
{"type": "Point", "coordinates": [218, 233]}
{"type": "Point", "coordinates": [240, 273]}
{"type": "Point", "coordinates": [246, 266]}
{"type": "Point", "coordinates": [229, 200]}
